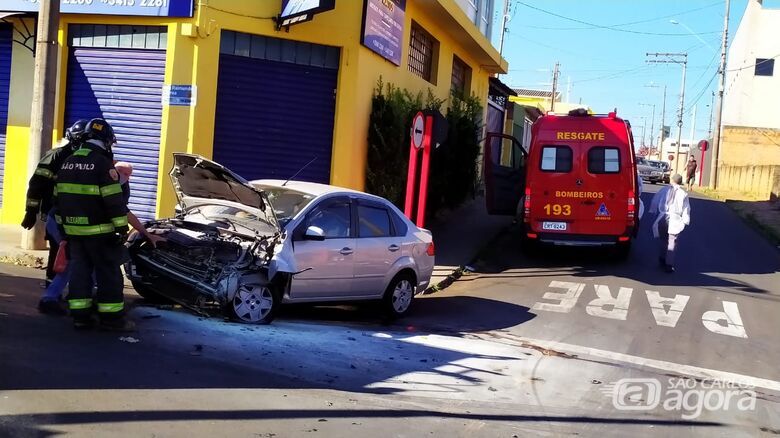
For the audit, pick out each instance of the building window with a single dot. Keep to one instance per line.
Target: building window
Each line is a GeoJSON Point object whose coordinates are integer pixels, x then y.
{"type": "Point", "coordinates": [765, 67]}
{"type": "Point", "coordinates": [461, 75]}
{"type": "Point", "coordinates": [422, 56]}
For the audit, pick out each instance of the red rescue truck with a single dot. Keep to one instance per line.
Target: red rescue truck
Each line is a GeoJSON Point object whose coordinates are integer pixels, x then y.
{"type": "Point", "coordinates": [579, 183]}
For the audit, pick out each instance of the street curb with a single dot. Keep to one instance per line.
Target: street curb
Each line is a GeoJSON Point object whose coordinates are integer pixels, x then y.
{"type": "Point", "coordinates": [465, 269]}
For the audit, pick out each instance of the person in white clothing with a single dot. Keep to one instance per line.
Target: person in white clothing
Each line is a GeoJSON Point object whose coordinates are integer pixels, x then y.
{"type": "Point", "coordinates": [673, 208]}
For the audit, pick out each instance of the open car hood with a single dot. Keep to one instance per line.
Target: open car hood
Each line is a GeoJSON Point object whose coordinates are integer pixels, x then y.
{"type": "Point", "coordinates": [198, 181]}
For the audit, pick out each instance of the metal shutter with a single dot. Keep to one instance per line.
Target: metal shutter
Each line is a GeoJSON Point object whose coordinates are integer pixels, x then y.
{"type": "Point", "coordinates": [6, 34]}
{"type": "Point", "coordinates": [274, 116]}
{"type": "Point", "coordinates": [123, 86]}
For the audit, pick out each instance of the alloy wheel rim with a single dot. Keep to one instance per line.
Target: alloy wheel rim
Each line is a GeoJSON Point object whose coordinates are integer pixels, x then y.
{"type": "Point", "coordinates": [253, 303]}
{"type": "Point", "coordinates": [402, 296]}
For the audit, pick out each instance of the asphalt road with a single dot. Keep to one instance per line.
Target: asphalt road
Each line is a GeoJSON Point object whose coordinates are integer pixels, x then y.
{"type": "Point", "coordinates": [529, 344]}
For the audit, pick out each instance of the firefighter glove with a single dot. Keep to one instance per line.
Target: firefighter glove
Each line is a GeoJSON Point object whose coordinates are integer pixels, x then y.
{"type": "Point", "coordinates": [29, 220]}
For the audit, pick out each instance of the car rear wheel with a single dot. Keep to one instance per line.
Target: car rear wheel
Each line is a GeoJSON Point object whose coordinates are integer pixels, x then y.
{"type": "Point", "coordinates": [399, 295]}
{"type": "Point", "coordinates": [254, 304]}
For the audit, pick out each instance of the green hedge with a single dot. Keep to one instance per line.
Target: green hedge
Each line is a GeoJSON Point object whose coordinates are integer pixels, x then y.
{"type": "Point", "coordinates": [453, 165]}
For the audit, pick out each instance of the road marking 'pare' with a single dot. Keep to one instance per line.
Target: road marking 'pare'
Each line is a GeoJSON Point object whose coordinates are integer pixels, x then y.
{"type": "Point", "coordinates": [666, 311]}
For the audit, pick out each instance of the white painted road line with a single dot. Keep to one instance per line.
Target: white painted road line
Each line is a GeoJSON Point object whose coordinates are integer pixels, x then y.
{"type": "Point", "coordinates": [660, 365]}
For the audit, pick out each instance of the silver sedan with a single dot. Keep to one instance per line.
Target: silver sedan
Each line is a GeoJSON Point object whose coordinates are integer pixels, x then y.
{"type": "Point", "coordinates": [349, 245]}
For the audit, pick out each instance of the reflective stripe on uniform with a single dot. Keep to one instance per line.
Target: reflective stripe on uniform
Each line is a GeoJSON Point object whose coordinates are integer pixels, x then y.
{"type": "Point", "coordinates": [33, 202]}
{"type": "Point", "coordinates": [111, 189]}
{"type": "Point", "coordinates": [46, 173]}
{"type": "Point", "coordinates": [78, 189]}
{"type": "Point", "coordinates": [110, 307]}
{"type": "Point", "coordinates": [83, 152]}
{"type": "Point", "coordinates": [88, 230]}
{"type": "Point", "coordinates": [120, 221]}
{"type": "Point", "coordinates": [78, 304]}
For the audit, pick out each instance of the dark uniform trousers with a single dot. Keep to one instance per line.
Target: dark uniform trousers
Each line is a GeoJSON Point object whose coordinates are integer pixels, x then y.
{"type": "Point", "coordinates": [103, 256]}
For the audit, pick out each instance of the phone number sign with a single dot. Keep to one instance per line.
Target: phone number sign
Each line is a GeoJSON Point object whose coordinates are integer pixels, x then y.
{"type": "Point", "coordinates": [152, 8]}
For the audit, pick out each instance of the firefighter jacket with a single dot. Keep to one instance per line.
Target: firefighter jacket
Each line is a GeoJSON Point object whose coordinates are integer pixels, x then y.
{"type": "Point", "coordinates": [88, 196]}
{"type": "Point", "coordinates": [41, 186]}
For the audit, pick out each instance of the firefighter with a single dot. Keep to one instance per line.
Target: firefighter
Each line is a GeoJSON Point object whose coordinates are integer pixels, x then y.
{"type": "Point", "coordinates": [39, 201]}
{"type": "Point", "coordinates": [93, 216]}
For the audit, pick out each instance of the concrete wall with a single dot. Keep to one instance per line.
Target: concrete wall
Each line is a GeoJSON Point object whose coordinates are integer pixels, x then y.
{"type": "Point", "coordinates": [746, 146]}
{"type": "Point", "coordinates": [752, 100]}
{"type": "Point", "coordinates": [760, 180]}
{"type": "Point", "coordinates": [192, 54]}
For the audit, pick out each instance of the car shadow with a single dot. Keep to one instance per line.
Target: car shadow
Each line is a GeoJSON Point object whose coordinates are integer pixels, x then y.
{"type": "Point", "coordinates": [454, 315]}
{"type": "Point", "coordinates": [176, 349]}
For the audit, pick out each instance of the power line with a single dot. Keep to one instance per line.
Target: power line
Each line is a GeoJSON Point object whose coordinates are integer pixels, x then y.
{"type": "Point", "coordinates": [751, 66]}
{"type": "Point", "coordinates": [599, 26]}
{"type": "Point", "coordinates": [634, 22]}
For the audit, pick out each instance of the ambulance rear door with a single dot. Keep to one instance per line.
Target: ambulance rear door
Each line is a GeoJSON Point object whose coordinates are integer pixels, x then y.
{"type": "Point", "coordinates": [504, 173]}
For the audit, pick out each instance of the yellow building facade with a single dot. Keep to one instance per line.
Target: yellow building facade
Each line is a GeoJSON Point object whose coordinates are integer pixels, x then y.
{"type": "Point", "coordinates": [193, 49]}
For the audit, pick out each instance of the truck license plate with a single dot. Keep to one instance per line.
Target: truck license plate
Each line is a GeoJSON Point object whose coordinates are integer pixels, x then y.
{"type": "Point", "coordinates": [554, 226]}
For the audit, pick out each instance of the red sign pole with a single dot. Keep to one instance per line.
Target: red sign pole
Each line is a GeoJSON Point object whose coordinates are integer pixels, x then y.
{"type": "Point", "coordinates": [426, 164]}
{"type": "Point", "coordinates": [411, 181]}
{"type": "Point", "coordinates": [701, 166]}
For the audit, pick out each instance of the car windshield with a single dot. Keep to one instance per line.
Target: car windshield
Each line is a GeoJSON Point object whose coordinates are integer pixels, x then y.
{"type": "Point", "coordinates": [640, 160]}
{"type": "Point", "coordinates": [286, 202]}
{"type": "Point", "coordinates": [236, 219]}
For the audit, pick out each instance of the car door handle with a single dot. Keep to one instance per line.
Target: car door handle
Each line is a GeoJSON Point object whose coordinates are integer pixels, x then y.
{"type": "Point", "coordinates": [346, 251]}
{"type": "Point", "coordinates": [393, 248]}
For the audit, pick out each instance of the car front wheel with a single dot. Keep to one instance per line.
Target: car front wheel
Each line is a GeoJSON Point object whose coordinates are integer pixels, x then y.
{"type": "Point", "coordinates": [399, 295]}
{"type": "Point", "coordinates": [254, 304]}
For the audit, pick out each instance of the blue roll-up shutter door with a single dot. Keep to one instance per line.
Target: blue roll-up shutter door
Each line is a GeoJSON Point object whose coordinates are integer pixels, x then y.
{"type": "Point", "coordinates": [123, 86]}
{"type": "Point", "coordinates": [6, 35]}
{"type": "Point", "coordinates": [275, 107]}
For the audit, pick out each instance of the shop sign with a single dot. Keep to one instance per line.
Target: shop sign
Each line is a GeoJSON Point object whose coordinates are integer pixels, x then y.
{"type": "Point", "coordinates": [151, 8]}
{"type": "Point", "coordinates": [383, 28]}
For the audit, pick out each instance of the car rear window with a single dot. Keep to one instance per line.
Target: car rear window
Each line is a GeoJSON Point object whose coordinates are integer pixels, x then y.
{"type": "Point", "coordinates": [374, 222]}
{"type": "Point", "coordinates": [604, 160]}
{"type": "Point", "coordinates": [556, 159]}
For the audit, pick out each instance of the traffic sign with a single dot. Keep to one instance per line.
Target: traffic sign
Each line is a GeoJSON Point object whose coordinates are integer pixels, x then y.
{"type": "Point", "coordinates": [671, 157]}
{"type": "Point", "coordinates": [418, 128]}
{"type": "Point", "coordinates": [704, 145]}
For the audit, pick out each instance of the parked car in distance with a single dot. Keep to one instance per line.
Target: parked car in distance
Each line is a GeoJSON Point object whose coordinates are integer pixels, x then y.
{"type": "Point", "coordinates": [665, 167]}
{"type": "Point", "coordinates": [249, 247]}
{"type": "Point", "coordinates": [647, 171]}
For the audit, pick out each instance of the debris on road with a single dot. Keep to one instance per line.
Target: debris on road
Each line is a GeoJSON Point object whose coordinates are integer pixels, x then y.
{"type": "Point", "coordinates": [129, 339]}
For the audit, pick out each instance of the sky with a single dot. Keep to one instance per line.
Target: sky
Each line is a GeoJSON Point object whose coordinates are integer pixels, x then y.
{"type": "Point", "coordinates": [603, 56]}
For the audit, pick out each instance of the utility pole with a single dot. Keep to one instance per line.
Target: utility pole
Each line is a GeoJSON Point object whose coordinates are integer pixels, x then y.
{"type": "Point", "coordinates": [652, 121]}
{"type": "Point", "coordinates": [709, 129]}
{"type": "Point", "coordinates": [43, 101]}
{"type": "Point", "coordinates": [504, 29]}
{"type": "Point", "coordinates": [675, 58]}
{"type": "Point", "coordinates": [719, 102]}
{"type": "Point", "coordinates": [693, 129]}
{"type": "Point", "coordinates": [663, 121]}
{"type": "Point", "coordinates": [554, 85]}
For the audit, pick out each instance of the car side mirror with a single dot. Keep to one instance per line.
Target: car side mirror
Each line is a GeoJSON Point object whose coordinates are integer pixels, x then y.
{"type": "Point", "coordinates": [314, 233]}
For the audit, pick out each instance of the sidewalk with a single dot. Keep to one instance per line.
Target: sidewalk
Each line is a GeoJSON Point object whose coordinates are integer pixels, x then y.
{"type": "Point", "coordinates": [460, 236]}
{"type": "Point", "coordinates": [11, 249]}
{"type": "Point", "coordinates": [764, 216]}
